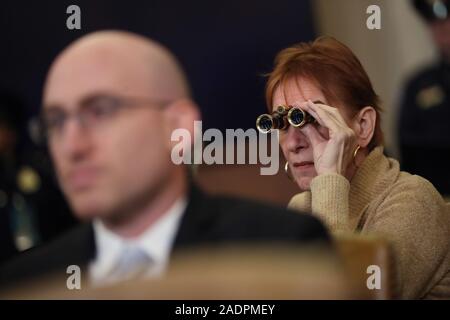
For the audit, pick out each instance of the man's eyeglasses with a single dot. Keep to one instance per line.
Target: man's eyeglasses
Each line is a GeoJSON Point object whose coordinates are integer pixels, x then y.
{"type": "Point", "coordinates": [92, 112]}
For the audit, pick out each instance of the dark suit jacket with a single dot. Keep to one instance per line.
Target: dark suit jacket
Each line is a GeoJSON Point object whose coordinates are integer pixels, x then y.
{"type": "Point", "coordinates": [208, 220]}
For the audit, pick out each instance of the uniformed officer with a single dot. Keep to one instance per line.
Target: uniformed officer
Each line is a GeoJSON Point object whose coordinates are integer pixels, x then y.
{"type": "Point", "coordinates": [424, 128]}
{"type": "Point", "coordinates": [32, 209]}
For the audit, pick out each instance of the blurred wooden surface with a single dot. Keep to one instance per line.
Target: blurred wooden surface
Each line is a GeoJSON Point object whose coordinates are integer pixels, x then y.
{"type": "Point", "coordinates": [268, 271]}
{"type": "Point", "coordinates": [230, 273]}
{"type": "Point", "coordinates": [361, 251]}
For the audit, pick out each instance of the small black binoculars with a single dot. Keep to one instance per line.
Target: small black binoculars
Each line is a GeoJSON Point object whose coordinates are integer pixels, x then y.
{"type": "Point", "coordinates": [282, 118]}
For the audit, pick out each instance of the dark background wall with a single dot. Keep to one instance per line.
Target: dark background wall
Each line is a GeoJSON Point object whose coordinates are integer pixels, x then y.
{"type": "Point", "coordinates": [224, 46]}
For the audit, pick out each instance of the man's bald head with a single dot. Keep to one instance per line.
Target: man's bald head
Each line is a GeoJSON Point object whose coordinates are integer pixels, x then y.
{"type": "Point", "coordinates": [159, 71]}
{"type": "Point", "coordinates": [131, 94]}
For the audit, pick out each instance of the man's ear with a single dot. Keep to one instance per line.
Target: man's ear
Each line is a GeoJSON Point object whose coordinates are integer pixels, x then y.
{"type": "Point", "coordinates": [365, 125]}
{"type": "Point", "coordinates": [182, 114]}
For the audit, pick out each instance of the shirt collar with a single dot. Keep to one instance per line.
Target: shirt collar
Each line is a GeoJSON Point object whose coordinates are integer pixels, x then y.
{"type": "Point", "coordinates": [156, 241]}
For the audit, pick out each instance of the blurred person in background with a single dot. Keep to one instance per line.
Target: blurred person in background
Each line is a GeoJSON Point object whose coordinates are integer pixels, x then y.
{"type": "Point", "coordinates": [32, 210]}
{"type": "Point", "coordinates": [111, 102]}
{"type": "Point", "coordinates": [424, 130]}
{"type": "Point", "coordinates": [339, 165]}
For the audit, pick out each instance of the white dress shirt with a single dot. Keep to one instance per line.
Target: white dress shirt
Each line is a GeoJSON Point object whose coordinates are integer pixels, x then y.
{"type": "Point", "coordinates": [156, 242]}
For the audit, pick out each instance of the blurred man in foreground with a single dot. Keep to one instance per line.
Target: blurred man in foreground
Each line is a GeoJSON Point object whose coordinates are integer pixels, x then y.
{"type": "Point", "coordinates": [111, 102]}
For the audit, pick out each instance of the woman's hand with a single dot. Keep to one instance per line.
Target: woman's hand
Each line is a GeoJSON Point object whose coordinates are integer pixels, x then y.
{"type": "Point", "coordinates": [335, 153]}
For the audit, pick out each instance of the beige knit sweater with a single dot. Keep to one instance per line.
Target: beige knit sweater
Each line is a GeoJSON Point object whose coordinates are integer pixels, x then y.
{"type": "Point", "coordinates": [404, 208]}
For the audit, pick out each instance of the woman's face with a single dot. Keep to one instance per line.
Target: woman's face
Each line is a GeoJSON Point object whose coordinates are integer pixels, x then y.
{"type": "Point", "coordinates": [295, 143]}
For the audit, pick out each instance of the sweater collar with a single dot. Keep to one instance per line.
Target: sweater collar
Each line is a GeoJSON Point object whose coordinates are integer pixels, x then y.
{"type": "Point", "coordinates": [375, 174]}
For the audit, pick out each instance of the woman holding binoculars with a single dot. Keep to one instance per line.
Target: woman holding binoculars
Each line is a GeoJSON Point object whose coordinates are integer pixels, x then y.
{"type": "Point", "coordinates": [336, 158]}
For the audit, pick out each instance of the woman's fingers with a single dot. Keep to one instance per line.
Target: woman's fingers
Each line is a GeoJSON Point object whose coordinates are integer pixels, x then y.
{"type": "Point", "coordinates": [332, 112]}
{"type": "Point", "coordinates": [333, 120]}
{"type": "Point", "coordinates": [309, 107]}
{"type": "Point", "coordinates": [323, 117]}
{"type": "Point", "coordinates": [333, 156]}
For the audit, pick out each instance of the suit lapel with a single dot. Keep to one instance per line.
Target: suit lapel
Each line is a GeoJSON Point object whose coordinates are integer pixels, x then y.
{"type": "Point", "coordinates": [195, 220]}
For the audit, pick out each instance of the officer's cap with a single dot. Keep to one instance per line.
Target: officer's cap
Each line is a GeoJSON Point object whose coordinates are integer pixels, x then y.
{"type": "Point", "coordinates": [433, 10]}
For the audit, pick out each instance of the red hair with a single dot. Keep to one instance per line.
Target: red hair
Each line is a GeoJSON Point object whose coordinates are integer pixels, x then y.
{"type": "Point", "coordinates": [335, 70]}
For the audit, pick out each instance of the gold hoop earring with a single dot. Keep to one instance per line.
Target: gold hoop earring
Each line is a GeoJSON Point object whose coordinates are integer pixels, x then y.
{"type": "Point", "coordinates": [355, 153]}
{"type": "Point", "coordinates": [286, 170]}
